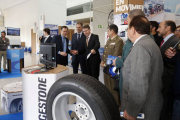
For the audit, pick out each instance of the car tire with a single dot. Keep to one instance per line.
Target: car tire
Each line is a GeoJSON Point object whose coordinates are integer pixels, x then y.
{"type": "Point", "coordinates": [16, 106]}
{"type": "Point", "coordinates": [93, 95]}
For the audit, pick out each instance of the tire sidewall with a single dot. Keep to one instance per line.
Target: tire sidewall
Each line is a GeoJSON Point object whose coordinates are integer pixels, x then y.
{"type": "Point", "coordinates": [82, 92]}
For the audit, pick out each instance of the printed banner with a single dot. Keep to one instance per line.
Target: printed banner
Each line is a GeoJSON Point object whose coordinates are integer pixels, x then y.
{"type": "Point", "coordinates": [53, 29]}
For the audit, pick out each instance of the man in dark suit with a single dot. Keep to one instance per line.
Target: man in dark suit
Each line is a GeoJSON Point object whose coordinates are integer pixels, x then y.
{"type": "Point", "coordinates": [47, 38]}
{"type": "Point", "coordinates": [62, 46]}
{"type": "Point", "coordinates": [166, 30]}
{"type": "Point", "coordinates": [92, 45]}
{"type": "Point", "coordinates": [78, 50]}
{"type": "Point", "coordinates": [174, 58]}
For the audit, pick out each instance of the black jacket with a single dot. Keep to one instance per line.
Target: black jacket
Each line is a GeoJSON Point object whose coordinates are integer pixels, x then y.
{"type": "Point", "coordinates": [47, 41]}
{"type": "Point", "coordinates": [168, 68]}
{"type": "Point", "coordinates": [158, 39]}
{"type": "Point", "coordinates": [176, 79]}
{"type": "Point", "coordinates": [93, 44]}
{"type": "Point", "coordinates": [78, 45]}
{"type": "Point", "coordinates": [62, 60]}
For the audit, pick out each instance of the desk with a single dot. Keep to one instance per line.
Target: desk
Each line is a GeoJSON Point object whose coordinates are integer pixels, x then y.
{"type": "Point", "coordinates": [15, 60]}
{"type": "Point", "coordinates": [35, 90]}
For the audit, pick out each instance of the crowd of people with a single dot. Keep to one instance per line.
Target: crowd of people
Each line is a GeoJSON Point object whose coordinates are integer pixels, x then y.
{"type": "Point", "coordinates": [148, 61]}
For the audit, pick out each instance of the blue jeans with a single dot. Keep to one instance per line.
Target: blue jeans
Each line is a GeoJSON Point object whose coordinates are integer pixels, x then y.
{"type": "Point", "coordinates": [176, 110]}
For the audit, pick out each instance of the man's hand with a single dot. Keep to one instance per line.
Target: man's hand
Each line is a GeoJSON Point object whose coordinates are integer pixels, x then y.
{"type": "Point", "coordinates": [120, 56]}
{"type": "Point", "coordinates": [126, 116]}
{"type": "Point", "coordinates": [93, 51]}
{"type": "Point", "coordinates": [170, 52]}
{"type": "Point", "coordinates": [114, 62]}
{"type": "Point", "coordinates": [63, 53]}
{"type": "Point", "coordinates": [102, 64]}
{"type": "Point", "coordinates": [74, 52]}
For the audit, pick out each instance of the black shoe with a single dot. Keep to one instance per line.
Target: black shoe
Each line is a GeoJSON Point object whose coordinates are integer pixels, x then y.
{"type": "Point", "coordinates": [5, 70]}
{"type": "Point", "coordinates": [0, 71]}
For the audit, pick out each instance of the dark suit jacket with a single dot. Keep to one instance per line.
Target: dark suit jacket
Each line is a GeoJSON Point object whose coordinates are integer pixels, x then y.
{"type": "Point", "coordinates": [47, 41]}
{"type": "Point", "coordinates": [78, 45]}
{"type": "Point", "coordinates": [93, 44]}
{"type": "Point", "coordinates": [59, 47]}
{"type": "Point", "coordinates": [168, 68]}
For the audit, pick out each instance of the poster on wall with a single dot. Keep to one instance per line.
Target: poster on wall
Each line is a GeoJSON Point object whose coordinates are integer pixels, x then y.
{"type": "Point", "coordinates": [172, 6]}
{"type": "Point", "coordinates": [53, 29]}
{"type": "Point", "coordinates": [154, 9]}
{"type": "Point", "coordinates": [122, 7]}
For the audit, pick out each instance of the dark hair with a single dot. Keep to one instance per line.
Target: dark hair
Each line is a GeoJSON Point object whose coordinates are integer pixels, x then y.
{"type": "Point", "coordinates": [64, 27]}
{"type": "Point", "coordinates": [140, 24]}
{"type": "Point", "coordinates": [80, 24]}
{"type": "Point", "coordinates": [154, 24]}
{"type": "Point", "coordinates": [178, 27]}
{"type": "Point", "coordinates": [47, 30]}
{"type": "Point", "coordinates": [86, 26]}
{"type": "Point", "coordinates": [114, 28]}
{"type": "Point", "coordinates": [135, 12]}
{"type": "Point", "coordinates": [3, 32]}
{"type": "Point", "coordinates": [172, 24]}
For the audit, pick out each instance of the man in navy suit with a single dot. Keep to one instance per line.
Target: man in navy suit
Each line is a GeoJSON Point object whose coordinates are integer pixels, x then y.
{"type": "Point", "coordinates": [47, 38]}
{"type": "Point", "coordinates": [62, 46]}
{"type": "Point", "coordinates": [78, 50]}
{"type": "Point", "coordinates": [92, 45]}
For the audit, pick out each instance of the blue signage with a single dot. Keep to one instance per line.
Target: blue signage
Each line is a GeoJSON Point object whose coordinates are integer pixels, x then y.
{"type": "Point", "coordinates": [15, 55]}
{"type": "Point", "coordinates": [53, 29]}
{"type": "Point", "coordinates": [68, 22]}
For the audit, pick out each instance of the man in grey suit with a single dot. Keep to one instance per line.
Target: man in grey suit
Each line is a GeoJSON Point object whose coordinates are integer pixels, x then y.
{"type": "Point", "coordinates": [166, 30]}
{"type": "Point", "coordinates": [142, 72]}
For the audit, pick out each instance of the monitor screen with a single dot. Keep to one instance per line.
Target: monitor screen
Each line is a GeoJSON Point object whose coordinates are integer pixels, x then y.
{"type": "Point", "coordinates": [13, 31]}
{"type": "Point", "coordinates": [48, 52]}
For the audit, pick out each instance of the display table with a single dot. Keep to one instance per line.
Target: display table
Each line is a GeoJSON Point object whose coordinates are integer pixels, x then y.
{"type": "Point", "coordinates": [15, 60]}
{"type": "Point", "coordinates": [35, 90]}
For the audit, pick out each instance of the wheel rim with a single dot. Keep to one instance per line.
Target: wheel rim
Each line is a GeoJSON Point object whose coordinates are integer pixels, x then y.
{"type": "Point", "coordinates": [20, 106]}
{"type": "Point", "coordinates": [61, 108]}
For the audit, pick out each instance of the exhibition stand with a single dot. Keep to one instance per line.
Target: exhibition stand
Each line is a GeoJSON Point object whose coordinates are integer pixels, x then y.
{"type": "Point", "coordinates": [15, 60]}
{"type": "Point", "coordinates": [35, 90]}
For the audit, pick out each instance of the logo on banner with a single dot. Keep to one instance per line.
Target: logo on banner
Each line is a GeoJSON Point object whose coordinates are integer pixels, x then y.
{"type": "Point", "coordinates": [14, 55]}
{"type": "Point", "coordinates": [123, 19]}
{"type": "Point", "coordinates": [42, 98]}
{"type": "Point", "coordinates": [124, 6]}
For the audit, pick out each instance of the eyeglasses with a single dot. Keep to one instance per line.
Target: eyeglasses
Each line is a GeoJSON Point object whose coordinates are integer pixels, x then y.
{"type": "Point", "coordinates": [177, 30]}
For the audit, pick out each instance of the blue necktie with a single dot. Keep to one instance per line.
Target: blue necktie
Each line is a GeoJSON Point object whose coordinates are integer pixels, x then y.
{"type": "Point", "coordinates": [78, 37]}
{"type": "Point", "coordinates": [64, 44]}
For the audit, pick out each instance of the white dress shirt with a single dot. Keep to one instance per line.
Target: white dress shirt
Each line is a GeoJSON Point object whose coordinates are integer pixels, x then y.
{"type": "Point", "coordinates": [167, 38]}
{"type": "Point", "coordinates": [46, 38]}
{"type": "Point", "coordinates": [139, 39]}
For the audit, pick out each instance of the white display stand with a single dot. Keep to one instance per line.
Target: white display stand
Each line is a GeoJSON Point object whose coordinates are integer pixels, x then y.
{"type": "Point", "coordinates": [35, 90]}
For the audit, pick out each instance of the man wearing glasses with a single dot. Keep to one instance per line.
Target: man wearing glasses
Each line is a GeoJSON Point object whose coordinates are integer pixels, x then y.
{"type": "Point", "coordinates": [177, 31]}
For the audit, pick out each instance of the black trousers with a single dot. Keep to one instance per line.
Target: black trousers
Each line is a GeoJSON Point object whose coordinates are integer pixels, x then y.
{"type": "Point", "coordinates": [93, 68]}
{"type": "Point", "coordinates": [76, 60]}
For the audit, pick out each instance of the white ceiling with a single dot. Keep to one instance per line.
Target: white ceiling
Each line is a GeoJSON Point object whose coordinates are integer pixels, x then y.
{"type": "Point", "coordinates": [4, 4]}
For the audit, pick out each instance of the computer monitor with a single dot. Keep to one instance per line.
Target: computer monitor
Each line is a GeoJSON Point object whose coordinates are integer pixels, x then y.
{"type": "Point", "coordinates": [48, 52]}
{"type": "Point", "coordinates": [15, 46]}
